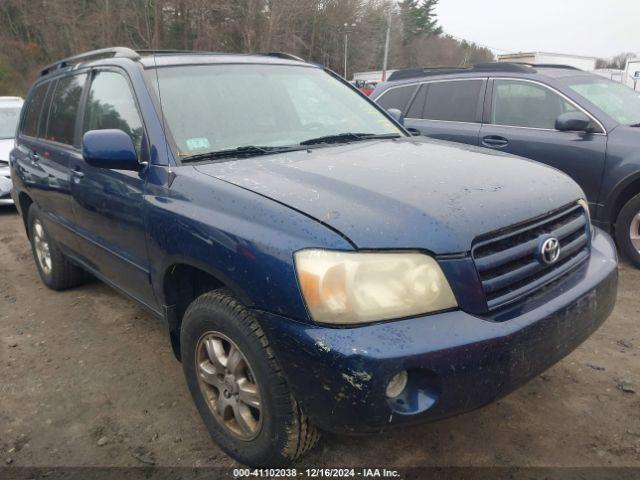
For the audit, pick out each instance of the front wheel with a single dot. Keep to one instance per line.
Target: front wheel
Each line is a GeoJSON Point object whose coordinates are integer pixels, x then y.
{"type": "Point", "coordinates": [237, 385]}
{"type": "Point", "coordinates": [628, 230]}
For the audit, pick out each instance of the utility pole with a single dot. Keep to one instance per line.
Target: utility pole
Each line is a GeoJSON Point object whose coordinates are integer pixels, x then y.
{"type": "Point", "coordinates": [346, 49]}
{"type": "Point", "coordinates": [386, 48]}
{"type": "Point", "coordinates": [346, 45]}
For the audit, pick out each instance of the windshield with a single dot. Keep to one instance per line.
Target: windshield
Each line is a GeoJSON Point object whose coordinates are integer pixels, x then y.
{"type": "Point", "coordinates": [615, 99]}
{"type": "Point", "coordinates": [8, 121]}
{"type": "Point", "coordinates": [211, 108]}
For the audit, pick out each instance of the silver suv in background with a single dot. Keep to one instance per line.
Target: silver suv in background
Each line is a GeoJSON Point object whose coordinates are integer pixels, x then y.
{"type": "Point", "coordinates": [9, 115]}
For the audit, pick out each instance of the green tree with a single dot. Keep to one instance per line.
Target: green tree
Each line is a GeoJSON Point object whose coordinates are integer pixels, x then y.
{"type": "Point", "coordinates": [419, 19]}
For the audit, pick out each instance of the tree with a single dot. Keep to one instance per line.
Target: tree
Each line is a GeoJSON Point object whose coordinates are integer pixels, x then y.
{"type": "Point", "coordinates": [419, 19]}
{"type": "Point", "coordinates": [311, 29]}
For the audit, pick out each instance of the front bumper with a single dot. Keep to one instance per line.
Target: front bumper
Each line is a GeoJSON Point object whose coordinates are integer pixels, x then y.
{"type": "Point", "coordinates": [457, 362]}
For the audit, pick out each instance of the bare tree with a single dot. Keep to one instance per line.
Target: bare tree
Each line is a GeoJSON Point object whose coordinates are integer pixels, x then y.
{"type": "Point", "coordinates": [312, 29]}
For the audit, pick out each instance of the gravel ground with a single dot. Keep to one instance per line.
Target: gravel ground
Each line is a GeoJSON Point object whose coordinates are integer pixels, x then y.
{"type": "Point", "coordinates": [87, 378]}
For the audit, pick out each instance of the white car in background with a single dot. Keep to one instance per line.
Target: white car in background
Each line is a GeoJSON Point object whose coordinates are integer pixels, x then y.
{"type": "Point", "coordinates": [9, 116]}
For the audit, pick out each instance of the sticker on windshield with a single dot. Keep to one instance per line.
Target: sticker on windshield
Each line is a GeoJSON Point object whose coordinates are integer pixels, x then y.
{"type": "Point", "coordinates": [198, 143]}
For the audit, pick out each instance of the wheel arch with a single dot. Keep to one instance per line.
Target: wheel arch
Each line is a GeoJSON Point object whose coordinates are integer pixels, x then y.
{"type": "Point", "coordinates": [625, 191]}
{"type": "Point", "coordinates": [182, 282]}
{"type": "Point", "coordinates": [25, 202]}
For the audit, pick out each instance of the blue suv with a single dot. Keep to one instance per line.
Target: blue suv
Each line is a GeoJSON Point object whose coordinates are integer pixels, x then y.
{"type": "Point", "coordinates": [578, 122]}
{"type": "Point", "coordinates": [316, 266]}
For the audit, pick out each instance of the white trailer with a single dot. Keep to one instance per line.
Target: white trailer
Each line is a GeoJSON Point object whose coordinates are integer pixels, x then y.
{"type": "Point", "coordinates": [373, 76]}
{"type": "Point", "coordinates": [632, 73]}
{"type": "Point", "coordinates": [583, 63]}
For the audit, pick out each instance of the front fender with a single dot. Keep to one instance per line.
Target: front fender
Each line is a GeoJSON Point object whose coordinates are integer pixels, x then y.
{"type": "Point", "coordinates": [241, 238]}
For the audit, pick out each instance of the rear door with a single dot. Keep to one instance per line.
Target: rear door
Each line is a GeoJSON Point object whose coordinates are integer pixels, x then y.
{"type": "Point", "coordinates": [108, 204]}
{"type": "Point", "coordinates": [520, 119]}
{"type": "Point", "coordinates": [47, 151]}
{"type": "Point", "coordinates": [448, 109]}
{"type": "Point", "coordinates": [28, 143]}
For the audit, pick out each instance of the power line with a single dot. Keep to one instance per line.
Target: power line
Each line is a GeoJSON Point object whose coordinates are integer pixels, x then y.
{"type": "Point", "coordinates": [478, 44]}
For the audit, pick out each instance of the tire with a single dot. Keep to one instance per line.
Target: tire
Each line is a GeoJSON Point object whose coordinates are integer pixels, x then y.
{"type": "Point", "coordinates": [281, 432]}
{"type": "Point", "coordinates": [57, 272]}
{"type": "Point", "coordinates": [628, 231]}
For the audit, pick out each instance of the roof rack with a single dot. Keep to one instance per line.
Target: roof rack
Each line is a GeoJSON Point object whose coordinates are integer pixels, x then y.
{"type": "Point", "coordinates": [480, 67]}
{"type": "Point", "coordinates": [284, 55]}
{"type": "Point", "coordinates": [149, 51]}
{"type": "Point", "coordinates": [119, 52]}
{"type": "Point", "coordinates": [424, 72]}
{"type": "Point", "coordinates": [124, 52]}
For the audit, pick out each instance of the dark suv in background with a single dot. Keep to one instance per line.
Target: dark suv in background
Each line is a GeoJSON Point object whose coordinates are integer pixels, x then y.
{"type": "Point", "coordinates": [578, 122]}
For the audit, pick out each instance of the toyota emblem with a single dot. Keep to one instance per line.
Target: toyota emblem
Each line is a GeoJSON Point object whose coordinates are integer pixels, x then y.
{"type": "Point", "coordinates": [550, 251]}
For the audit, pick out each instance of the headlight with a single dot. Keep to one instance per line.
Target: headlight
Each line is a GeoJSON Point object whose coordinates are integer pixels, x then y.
{"type": "Point", "coordinates": [353, 287]}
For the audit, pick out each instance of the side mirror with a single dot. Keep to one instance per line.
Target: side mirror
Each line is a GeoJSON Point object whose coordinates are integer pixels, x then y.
{"type": "Point", "coordinates": [396, 115]}
{"type": "Point", "coordinates": [574, 122]}
{"type": "Point", "coordinates": [111, 149]}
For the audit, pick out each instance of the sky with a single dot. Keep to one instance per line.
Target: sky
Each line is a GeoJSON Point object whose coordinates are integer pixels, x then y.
{"type": "Point", "coordinates": [597, 28]}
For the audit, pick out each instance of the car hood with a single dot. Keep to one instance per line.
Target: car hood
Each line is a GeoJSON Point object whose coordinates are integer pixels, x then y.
{"type": "Point", "coordinates": [406, 193]}
{"type": "Point", "coordinates": [6, 145]}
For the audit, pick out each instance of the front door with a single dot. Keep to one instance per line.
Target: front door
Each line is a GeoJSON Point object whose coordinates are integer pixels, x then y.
{"type": "Point", "coordinates": [108, 204]}
{"type": "Point", "coordinates": [522, 122]}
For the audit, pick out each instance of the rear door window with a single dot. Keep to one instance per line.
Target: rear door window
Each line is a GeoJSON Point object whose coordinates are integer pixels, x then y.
{"type": "Point", "coordinates": [454, 101]}
{"type": "Point", "coordinates": [525, 104]}
{"type": "Point", "coordinates": [397, 97]}
{"type": "Point", "coordinates": [33, 110]}
{"type": "Point", "coordinates": [61, 126]}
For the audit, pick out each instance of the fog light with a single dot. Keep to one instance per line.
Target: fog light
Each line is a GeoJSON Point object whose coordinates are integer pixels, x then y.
{"type": "Point", "coordinates": [397, 384]}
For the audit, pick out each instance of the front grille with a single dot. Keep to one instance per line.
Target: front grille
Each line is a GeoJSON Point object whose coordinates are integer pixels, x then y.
{"type": "Point", "coordinates": [510, 262]}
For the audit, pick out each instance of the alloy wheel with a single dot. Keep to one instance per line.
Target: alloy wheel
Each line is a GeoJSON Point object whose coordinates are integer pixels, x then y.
{"type": "Point", "coordinates": [41, 247]}
{"type": "Point", "coordinates": [228, 385]}
{"type": "Point", "coordinates": [634, 232]}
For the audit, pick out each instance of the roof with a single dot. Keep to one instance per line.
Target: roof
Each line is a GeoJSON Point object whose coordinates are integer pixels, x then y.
{"type": "Point", "coordinates": [483, 69]}
{"type": "Point", "coordinates": [562, 72]}
{"type": "Point", "coordinates": [151, 58]}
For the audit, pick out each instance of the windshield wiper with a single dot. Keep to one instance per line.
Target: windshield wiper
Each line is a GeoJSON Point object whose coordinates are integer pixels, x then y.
{"type": "Point", "coordinates": [239, 152]}
{"type": "Point", "coordinates": [347, 137]}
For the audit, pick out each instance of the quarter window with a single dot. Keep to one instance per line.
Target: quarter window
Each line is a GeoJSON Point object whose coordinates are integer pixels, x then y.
{"type": "Point", "coordinates": [64, 109]}
{"type": "Point", "coordinates": [453, 101]}
{"type": "Point", "coordinates": [524, 104]}
{"type": "Point", "coordinates": [33, 108]}
{"type": "Point", "coordinates": [111, 105]}
{"type": "Point", "coordinates": [397, 97]}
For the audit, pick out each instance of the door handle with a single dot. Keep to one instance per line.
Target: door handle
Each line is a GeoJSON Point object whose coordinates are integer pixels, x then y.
{"type": "Point", "coordinates": [78, 174]}
{"type": "Point", "coordinates": [495, 141]}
